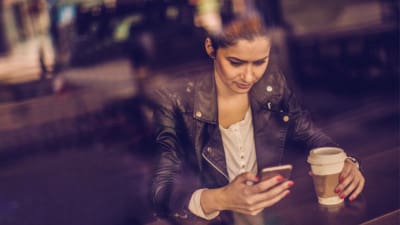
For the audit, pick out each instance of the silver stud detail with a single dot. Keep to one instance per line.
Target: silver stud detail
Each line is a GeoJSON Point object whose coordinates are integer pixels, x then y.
{"type": "Point", "coordinates": [285, 118]}
{"type": "Point", "coordinates": [198, 114]}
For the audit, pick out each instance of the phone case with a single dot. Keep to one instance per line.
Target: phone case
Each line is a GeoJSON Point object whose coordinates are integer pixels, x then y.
{"type": "Point", "coordinates": [283, 170]}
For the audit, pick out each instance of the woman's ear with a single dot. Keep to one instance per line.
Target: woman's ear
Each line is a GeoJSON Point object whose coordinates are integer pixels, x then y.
{"type": "Point", "coordinates": [209, 48]}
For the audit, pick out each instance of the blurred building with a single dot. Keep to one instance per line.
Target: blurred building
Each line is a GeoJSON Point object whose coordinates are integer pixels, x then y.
{"type": "Point", "coordinates": [15, 24]}
{"type": "Point", "coordinates": [315, 40]}
{"type": "Point", "coordinates": [344, 43]}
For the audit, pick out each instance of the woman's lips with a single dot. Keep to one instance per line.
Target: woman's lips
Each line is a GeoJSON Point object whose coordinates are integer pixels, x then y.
{"type": "Point", "coordinates": [243, 86]}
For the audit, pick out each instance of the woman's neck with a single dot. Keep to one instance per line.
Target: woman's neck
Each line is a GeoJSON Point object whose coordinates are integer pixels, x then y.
{"type": "Point", "coordinates": [232, 110]}
{"type": "Point", "coordinates": [232, 107]}
{"type": "Point", "coordinates": [225, 93]}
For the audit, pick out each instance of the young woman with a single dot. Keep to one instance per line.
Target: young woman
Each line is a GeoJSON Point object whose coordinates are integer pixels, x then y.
{"type": "Point", "coordinates": [216, 130]}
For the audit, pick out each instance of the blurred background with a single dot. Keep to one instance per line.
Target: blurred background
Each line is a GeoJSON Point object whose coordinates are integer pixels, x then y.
{"type": "Point", "coordinates": [75, 125]}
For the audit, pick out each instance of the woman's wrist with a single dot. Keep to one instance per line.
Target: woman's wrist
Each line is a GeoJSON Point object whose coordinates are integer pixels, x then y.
{"type": "Point", "coordinates": [210, 200]}
{"type": "Point", "coordinates": [353, 161]}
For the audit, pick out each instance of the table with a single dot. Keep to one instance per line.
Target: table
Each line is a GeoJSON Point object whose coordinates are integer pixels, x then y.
{"type": "Point", "coordinates": [379, 198]}
{"type": "Point", "coordinates": [97, 187]}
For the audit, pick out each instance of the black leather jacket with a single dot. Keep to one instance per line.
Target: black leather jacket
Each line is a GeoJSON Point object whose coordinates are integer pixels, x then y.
{"type": "Point", "coordinates": [190, 143]}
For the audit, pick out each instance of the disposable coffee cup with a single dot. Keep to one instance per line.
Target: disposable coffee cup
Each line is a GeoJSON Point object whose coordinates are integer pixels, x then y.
{"type": "Point", "coordinates": [326, 165]}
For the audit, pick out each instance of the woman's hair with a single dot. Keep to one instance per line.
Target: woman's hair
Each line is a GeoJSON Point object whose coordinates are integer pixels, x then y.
{"type": "Point", "coordinates": [246, 28]}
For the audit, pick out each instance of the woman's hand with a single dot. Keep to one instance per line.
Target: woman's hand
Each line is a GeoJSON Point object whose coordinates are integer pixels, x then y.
{"type": "Point", "coordinates": [243, 197]}
{"type": "Point", "coordinates": [351, 181]}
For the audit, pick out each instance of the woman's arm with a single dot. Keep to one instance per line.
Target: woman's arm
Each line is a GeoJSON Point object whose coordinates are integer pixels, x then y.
{"type": "Point", "coordinates": [352, 180]}
{"type": "Point", "coordinates": [174, 181]}
{"type": "Point", "coordinates": [303, 129]}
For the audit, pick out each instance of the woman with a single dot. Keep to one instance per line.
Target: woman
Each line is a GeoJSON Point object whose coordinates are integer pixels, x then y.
{"type": "Point", "coordinates": [216, 131]}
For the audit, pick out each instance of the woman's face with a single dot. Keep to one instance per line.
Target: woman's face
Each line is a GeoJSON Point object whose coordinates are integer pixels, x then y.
{"type": "Point", "coordinates": [238, 67]}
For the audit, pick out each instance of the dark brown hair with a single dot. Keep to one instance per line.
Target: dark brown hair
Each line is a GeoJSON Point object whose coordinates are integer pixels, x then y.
{"type": "Point", "coordinates": [241, 28]}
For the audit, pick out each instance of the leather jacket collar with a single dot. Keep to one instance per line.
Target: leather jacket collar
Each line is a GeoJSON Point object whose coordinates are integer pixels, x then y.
{"type": "Point", "coordinates": [205, 106]}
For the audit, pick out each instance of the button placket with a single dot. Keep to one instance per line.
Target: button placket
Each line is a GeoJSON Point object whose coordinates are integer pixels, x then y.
{"type": "Point", "coordinates": [241, 150]}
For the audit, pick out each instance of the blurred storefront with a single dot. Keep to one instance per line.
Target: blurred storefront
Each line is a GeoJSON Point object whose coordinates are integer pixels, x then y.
{"type": "Point", "coordinates": [343, 43]}
{"type": "Point", "coordinates": [15, 24]}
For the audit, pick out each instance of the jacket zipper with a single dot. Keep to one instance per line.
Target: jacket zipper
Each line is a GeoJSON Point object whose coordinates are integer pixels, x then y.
{"type": "Point", "coordinates": [215, 167]}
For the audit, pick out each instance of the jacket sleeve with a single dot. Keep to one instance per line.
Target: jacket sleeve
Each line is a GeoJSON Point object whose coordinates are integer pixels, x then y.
{"type": "Point", "coordinates": [303, 129]}
{"type": "Point", "coordinates": [175, 179]}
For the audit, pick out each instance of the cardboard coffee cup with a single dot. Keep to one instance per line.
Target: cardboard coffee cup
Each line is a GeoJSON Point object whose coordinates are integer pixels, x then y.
{"type": "Point", "coordinates": [326, 165]}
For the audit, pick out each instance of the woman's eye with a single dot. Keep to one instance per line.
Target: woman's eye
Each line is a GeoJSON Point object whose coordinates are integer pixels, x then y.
{"type": "Point", "coordinates": [259, 63]}
{"type": "Point", "coordinates": [235, 63]}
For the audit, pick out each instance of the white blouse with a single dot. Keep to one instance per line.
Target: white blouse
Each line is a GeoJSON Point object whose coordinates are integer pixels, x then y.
{"type": "Point", "coordinates": [240, 155]}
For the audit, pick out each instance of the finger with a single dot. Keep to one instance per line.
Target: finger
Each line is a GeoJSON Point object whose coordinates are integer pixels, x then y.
{"type": "Point", "coordinates": [256, 212]}
{"type": "Point", "coordinates": [270, 202]}
{"type": "Point", "coordinates": [247, 176]}
{"type": "Point", "coordinates": [271, 193]}
{"type": "Point", "coordinates": [345, 171]}
{"type": "Point", "coordinates": [344, 181]}
{"type": "Point", "coordinates": [246, 211]}
{"type": "Point", "coordinates": [266, 184]}
{"type": "Point", "coordinates": [358, 190]}
{"type": "Point", "coordinates": [352, 185]}
{"type": "Point", "coordinates": [343, 185]}
{"type": "Point", "coordinates": [252, 201]}
{"type": "Point", "coordinates": [251, 210]}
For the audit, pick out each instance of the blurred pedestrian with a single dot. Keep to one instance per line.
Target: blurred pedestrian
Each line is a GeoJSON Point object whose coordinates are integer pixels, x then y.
{"type": "Point", "coordinates": [141, 52]}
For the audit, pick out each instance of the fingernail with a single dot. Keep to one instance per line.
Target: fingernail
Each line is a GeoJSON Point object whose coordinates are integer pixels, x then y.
{"type": "Point", "coordinates": [338, 190]}
{"type": "Point", "coordinates": [290, 184]}
{"type": "Point", "coordinates": [279, 179]}
{"type": "Point", "coordinates": [352, 199]}
{"type": "Point", "coordinates": [341, 179]}
{"type": "Point", "coordinates": [257, 179]}
{"type": "Point", "coordinates": [287, 193]}
{"type": "Point", "coordinates": [342, 196]}
{"type": "Point", "coordinates": [249, 183]}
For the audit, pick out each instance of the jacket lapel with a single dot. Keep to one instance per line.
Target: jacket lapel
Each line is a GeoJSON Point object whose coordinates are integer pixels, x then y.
{"type": "Point", "coordinates": [205, 110]}
{"type": "Point", "coordinates": [269, 136]}
{"type": "Point", "coordinates": [269, 127]}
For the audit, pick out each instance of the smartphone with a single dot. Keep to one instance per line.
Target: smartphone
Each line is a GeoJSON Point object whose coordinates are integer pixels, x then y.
{"type": "Point", "coordinates": [283, 170]}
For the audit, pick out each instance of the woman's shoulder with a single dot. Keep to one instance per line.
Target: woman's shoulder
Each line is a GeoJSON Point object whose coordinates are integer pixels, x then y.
{"type": "Point", "coordinates": [181, 84]}
{"type": "Point", "coordinates": [274, 73]}
{"type": "Point", "coordinates": [178, 90]}
{"type": "Point", "coordinates": [273, 79]}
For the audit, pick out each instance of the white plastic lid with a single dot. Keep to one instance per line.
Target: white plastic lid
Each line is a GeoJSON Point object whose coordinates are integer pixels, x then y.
{"type": "Point", "coordinates": [326, 155]}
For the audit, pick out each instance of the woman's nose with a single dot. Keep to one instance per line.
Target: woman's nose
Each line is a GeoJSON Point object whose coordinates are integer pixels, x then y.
{"type": "Point", "coordinates": [248, 74]}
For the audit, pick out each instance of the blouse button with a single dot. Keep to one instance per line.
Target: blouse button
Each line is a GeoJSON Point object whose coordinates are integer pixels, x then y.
{"type": "Point", "coordinates": [269, 88]}
{"type": "Point", "coordinates": [198, 114]}
{"type": "Point", "coordinates": [209, 149]}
